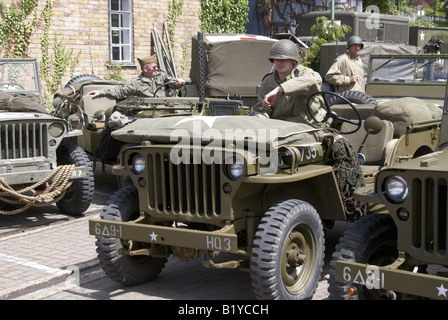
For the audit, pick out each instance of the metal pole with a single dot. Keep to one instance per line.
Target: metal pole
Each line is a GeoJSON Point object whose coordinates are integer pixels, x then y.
{"type": "Point", "coordinates": [332, 10]}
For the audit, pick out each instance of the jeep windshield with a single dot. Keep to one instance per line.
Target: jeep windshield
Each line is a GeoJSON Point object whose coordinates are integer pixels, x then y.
{"type": "Point", "coordinates": [408, 69]}
{"type": "Point", "coordinates": [19, 76]}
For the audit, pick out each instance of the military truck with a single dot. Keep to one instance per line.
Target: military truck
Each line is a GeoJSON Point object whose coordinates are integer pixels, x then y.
{"type": "Point", "coordinates": [39, 164]}
{"type": "Point", "coordinates": [399, 252]}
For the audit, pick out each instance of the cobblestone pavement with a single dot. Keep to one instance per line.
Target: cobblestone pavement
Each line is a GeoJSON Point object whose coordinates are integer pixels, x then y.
{"type": "Point", "coordinates": [48, 270]}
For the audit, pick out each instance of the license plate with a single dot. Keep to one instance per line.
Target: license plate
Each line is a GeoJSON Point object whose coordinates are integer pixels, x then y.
{"type": "Point", "coordinates": [370, 276]}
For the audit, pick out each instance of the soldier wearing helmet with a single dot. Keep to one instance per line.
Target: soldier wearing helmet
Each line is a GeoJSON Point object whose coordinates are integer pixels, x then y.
{"type": "Point", "coordinates": [284, 93]}
{"type": "Point", "coordinates": [347, 71]}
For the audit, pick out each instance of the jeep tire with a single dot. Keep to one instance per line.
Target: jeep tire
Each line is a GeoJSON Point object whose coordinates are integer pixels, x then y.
{"type": "Point", "coordinates": [372, 240]}
{"type": "Point", "coordinates": [357, 97]}
{"type": "Point", "coordinates": [79, 195]}
{"type": "Point", "coordinates": [126, 270]}
{"type": "Point", "coordinates": [288, 252]}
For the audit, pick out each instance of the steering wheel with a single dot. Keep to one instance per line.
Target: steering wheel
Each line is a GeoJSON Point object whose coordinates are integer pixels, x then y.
{"type": "Point", "coordinates": [332, 114]}
{"type": "Point", "coordinates": [8, 85]}
{"type": "Point", "coordinates": [165, 87]}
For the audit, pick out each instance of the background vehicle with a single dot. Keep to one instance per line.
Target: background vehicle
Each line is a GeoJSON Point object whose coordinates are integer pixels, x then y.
{"type": "Point", "coordinates": [401, 253]}
{"type": "Point", "coordinates": [39, 165]}
{"type": "Point", "coordinates": [214, 77]}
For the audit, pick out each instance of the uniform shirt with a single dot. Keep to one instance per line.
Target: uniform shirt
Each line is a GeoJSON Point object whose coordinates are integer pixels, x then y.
{"type": "Point", "coordinates": [339, 74]}
{"type": "Point", "coordinates": [141, 87]}
{"type": "Point", "coordinates": [299, 85]}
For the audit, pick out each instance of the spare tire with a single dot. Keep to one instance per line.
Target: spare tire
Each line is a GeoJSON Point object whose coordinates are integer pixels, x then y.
{"type": "Point", "coordinates": [82, 78]}
{"type": "Point", "coordinates": [357, 97]}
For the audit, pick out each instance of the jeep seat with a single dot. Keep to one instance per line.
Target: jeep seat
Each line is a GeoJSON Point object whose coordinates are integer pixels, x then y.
{"type": "Point", "coordinates": [375, 144]}
{"type": "Point", "coordinates": [91, 105]}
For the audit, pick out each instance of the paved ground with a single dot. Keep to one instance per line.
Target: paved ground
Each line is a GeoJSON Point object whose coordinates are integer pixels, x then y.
{"type": "Point", "coordinates": [58, 261]}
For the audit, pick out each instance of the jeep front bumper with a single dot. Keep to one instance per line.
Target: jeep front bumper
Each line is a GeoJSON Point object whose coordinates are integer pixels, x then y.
{"type": "Point", "coordinates": [386, 278]}
{"type": "Point", "coordinates": [26, 176]}
{"type": "Point", "coordinates": [222, 240]}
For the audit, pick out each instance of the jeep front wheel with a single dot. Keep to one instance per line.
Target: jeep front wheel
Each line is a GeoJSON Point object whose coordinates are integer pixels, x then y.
{"type": "Point", "coordinates": [126, 270]}
{"type": "Point", "coordinates": [79, 195]}
{"type": "Point", "coordinates": [288, 252]}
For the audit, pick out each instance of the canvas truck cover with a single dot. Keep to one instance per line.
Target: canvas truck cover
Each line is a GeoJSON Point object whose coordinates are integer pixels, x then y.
{"type": "Point", "coordinates": [233, 63]}
{"type": "Point", "coordinates": [329, 52]}
{"type": "Point", "coordinates": [205, 129]}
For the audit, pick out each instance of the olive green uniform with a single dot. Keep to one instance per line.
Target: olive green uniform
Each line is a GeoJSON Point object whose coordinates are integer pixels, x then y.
{"type": "Point", "coordinates": [141, 87]}
{"type": "Point", "coordinates": [291, 104]}
{"type": "Point", "coordinates": [342, 69]}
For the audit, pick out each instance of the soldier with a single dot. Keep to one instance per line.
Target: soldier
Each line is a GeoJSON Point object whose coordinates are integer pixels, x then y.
{"type": "Point", "coordinates": [150, 79]}
{"type": "Point", "coordinates": [284, 93]}
{"type": "Point", "coordinates": [347, 71]}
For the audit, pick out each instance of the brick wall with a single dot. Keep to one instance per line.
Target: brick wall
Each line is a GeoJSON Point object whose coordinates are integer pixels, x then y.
{"type": "Point", "coordinates": [84, 26]}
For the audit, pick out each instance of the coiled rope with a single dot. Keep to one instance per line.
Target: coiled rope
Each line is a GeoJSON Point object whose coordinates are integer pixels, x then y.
{"type": "Point", "coordinates": [56, 189]}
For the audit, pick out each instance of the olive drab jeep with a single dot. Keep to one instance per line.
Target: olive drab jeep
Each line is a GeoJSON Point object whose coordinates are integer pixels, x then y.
{"type": "Point", "coordinates": [257, 188]}
{"type": "Point", "coordinates": [401, 253]}
{"type": "Point", "coordinates": [39, 165]}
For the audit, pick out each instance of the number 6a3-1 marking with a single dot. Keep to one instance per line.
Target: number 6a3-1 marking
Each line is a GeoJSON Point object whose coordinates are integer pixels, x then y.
{"type": "Point", "coordinates": [374, 278]}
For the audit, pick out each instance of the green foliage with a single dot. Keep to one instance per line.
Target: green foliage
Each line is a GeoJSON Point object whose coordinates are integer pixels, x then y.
{"type": "Point", "coordinates": [224, 16]}
{"type": "Point", "coordinates": [323, 32]}
{"type": "Point", "coordinates": [16, 28]}
{"type": "Point", "coordinates": [419, 22]}
{"type": "Point", "coordinates": [54, 66]}
{"type": "Point", "coordinates": [18, 23]}
{"type": "Point", "coordinates": [114, 74]}
{"type": "Point", "coordinates": [174, 10]}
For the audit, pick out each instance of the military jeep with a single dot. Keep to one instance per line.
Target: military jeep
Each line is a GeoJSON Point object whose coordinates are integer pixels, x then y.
{"type": "Point", "coordinates": [257, 191]}
{"type": "Point", "coordinates": [39, 165]}
{"type": "Point", "coordinates": [401, 252]}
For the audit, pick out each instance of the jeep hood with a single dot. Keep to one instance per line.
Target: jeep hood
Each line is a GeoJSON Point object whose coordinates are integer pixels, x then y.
{"type": "Point", "coordinates": [21, 116]}
{"type": "Point", "coordinates": [220, 130]}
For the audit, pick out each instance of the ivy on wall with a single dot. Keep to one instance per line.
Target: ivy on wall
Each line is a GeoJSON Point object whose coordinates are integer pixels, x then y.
{"type": "Point", "coordinates": [224, 16]}
{"type": "Point", "coordinates": [18, 24]}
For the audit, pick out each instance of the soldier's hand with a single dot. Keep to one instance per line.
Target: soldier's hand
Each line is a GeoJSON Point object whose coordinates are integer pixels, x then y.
{"type": "Point", "coordinates": [271, 96]}
{"type": "Point", "coordinates": [180, 82]}
{"type": "Point", "coordinates": [353, 79]}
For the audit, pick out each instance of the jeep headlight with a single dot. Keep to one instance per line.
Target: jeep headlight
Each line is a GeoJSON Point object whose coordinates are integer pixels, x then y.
{"type": "Point", "coordinates": [138, 164]}
{"type": "Point", "coordinates": [234, 171]}
{"type": "Point", "coordinates": [396, 188]}
{"type": "Point", "coordinates": [56, 129]}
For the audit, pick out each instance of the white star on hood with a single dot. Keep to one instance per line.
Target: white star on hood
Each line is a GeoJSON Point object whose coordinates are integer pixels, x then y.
{"type": "Point", "coordinates": [207, 119]}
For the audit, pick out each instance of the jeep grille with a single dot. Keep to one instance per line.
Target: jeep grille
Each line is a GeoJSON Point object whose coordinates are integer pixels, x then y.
{"type": "Point", "coordinates": [23, 140]}
{"type": "Point", "coordinates": [183, 188]}
{"type": "Point", "coordinates": [429, 229]}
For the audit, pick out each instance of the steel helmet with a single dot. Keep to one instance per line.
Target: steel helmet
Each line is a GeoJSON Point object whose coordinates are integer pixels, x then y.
{"type": "Point", "coordinates": [284, 49]}
{"type": "Point", "coordinates": [355, 40]}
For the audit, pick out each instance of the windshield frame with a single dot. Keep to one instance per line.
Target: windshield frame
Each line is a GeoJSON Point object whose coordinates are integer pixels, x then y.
{"type": "Point", "coordinates": [19, 76]}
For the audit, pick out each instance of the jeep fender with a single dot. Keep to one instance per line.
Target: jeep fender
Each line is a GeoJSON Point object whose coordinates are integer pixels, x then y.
{"type": "Point", "coordinates": [315, 184]}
